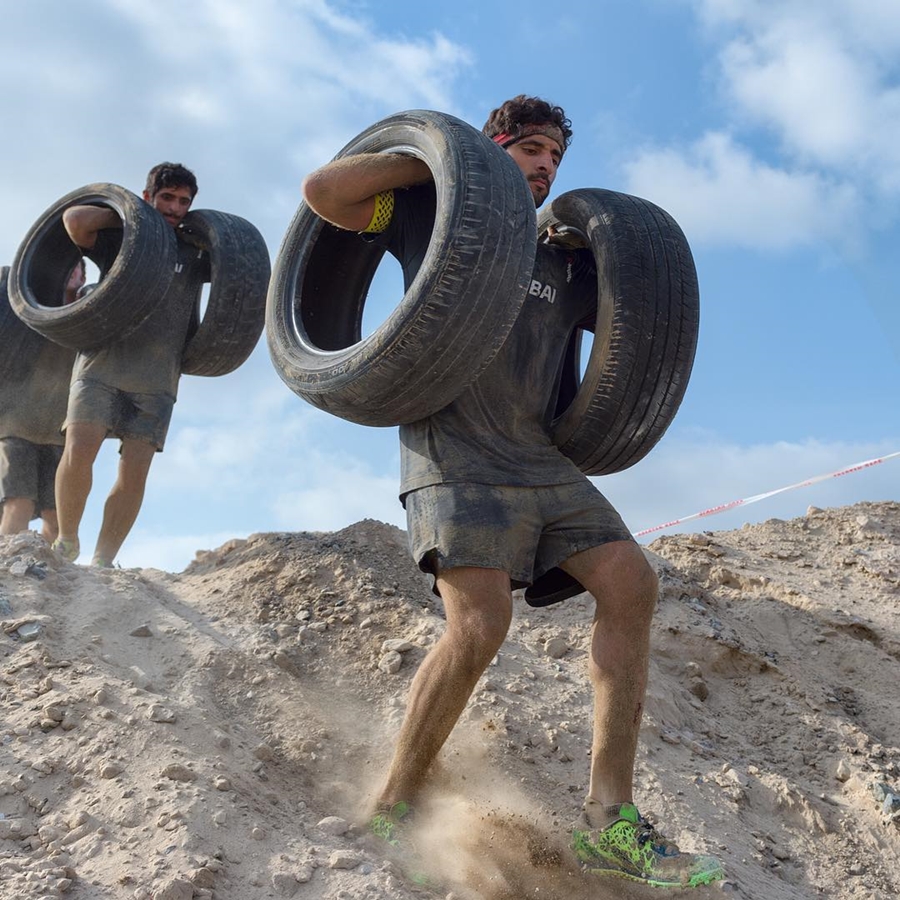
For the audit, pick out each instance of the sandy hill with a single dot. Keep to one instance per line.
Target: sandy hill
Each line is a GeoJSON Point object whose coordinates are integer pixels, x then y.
{"type": "Point", "coordinates": [218, 733]}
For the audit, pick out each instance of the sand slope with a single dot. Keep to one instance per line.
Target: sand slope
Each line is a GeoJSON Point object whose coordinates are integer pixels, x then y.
{"type": "Point", "coordinates": [218, 733]}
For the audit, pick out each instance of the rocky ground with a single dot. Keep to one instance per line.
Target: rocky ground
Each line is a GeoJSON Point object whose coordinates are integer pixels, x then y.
{"type": "Point", "coordinates": [219, 733]}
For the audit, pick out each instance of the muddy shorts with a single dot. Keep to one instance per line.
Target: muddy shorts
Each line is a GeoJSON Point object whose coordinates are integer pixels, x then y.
{"type": "Point", "coordinates": [524, 531]}
{"type": "Point", "coordinates": [29, 470]}
{"type": "Point", "coordinates": [126, 415]}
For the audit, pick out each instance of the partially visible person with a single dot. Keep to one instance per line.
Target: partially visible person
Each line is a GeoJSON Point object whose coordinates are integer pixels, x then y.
{"type": "Point", "coordinates": [32, 409]}
{"type": "Point", "coordinates": [126, 389]}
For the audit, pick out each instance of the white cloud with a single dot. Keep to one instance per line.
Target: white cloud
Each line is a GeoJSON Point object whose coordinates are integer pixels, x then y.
{"type": "Point", "coordinates": [721, 194]}
{"type": "Point", "coordinates": [822, 76]}
{"type": "Point", "coordinates": [225, 452]}
{"type": "Point", "coordinates": [267, 459]}
{"type": "Point", "coordinates": [822, 80]}
{"type": "Point", "coordinates": [290, 58]}
{"type": "Point", "coordinates": [806, 87]}
{"type": "Point", "coordinates": [809, 150]}
{"type": "Point", "coordinates": [250, 96]}
{"type": "Point", "coordinates": [874, 24]}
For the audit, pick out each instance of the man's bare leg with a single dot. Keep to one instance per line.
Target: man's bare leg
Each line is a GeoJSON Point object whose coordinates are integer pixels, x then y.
{"type": "Point", "coordinates": [124, 501]}
{"type": "Point", "coordinates": [74, 477]}
{"type": "Point", "coordinates": [625, 589]}
{"type": "Point", "coordinates": [17, 512]}
{"type": "Point", "coordinates": [49, 525]}
{"type": "Point", "coordinates": [478, 606]}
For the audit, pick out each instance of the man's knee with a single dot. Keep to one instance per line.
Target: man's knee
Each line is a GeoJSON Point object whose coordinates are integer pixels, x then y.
{"type": "Point", "coordinates": [135, 458]}
{"type": "Point", "coordinates": [16, 515]}
{"type": "Point", "coordinates": [618, 575]}
{"type": "Point", "coordinates": [637, 571]}
{"type": "Point", "coordinates": [83, 441]}
{"type": "Point", "coordinates": [478, 603]}
{"type": "Point", "coordinates": [481, 631]}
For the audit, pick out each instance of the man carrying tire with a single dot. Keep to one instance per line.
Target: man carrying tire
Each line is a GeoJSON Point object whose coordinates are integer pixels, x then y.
{"type": "Point", "coordinates": [492, 505]}
{"type": "Point", "coordinates": [127, 388]}
{"type": "Point", "coordinates": [32, 409]}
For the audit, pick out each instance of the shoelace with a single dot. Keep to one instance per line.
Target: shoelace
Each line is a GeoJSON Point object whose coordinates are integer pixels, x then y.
{"type": "Point", "coordinates": [647, 832]}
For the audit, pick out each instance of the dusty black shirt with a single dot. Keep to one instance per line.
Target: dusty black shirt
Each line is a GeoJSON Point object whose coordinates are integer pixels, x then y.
{"type": "Point", "coordinates": [147, 361]}
{"type": "Point", "coordinates": [497, 430]}
{"type": "Point", "coordinates": [33, 400]}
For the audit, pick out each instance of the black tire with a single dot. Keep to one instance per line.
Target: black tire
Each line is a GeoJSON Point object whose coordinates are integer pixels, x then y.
{"type": "Point", "coordinates": [238, 279]}
{"type": "Point", "coordinates": [455, 315]}
{"type": "Point", "coordinates": [648, 315]}
{"type": "Point", "coordinates": [137, 278]}
{"type": "Point", "coordinates": [19, 345]}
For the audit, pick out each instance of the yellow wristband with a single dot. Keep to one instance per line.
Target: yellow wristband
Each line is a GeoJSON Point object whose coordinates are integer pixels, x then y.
{"type": "Point", "coordinates": [381, 217]}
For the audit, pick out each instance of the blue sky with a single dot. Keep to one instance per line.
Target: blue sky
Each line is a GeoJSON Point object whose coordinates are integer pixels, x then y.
{"type": "Point", "coordinates": [770, 129]}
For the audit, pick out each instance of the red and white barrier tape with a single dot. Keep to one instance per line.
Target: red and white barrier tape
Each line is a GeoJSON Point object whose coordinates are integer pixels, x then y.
{"type": "Point", "coordinates": [724, 507]}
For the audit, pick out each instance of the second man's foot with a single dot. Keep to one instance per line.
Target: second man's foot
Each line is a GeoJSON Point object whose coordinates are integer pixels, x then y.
{"type": "Point", "coordinates": [67, 548]}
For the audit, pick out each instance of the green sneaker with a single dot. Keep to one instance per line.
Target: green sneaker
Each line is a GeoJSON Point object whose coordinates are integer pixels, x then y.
{"type": "Point", "coordinates": [386, 824]}
{"type": "Point", "coordinates": [66, 548]}
{"type": "Point", "coordinates": [630, 847]}
{"type": "Point", "coordinates": [392, 826]}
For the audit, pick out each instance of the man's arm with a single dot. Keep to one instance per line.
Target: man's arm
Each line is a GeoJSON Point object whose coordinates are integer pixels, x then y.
{"type": "Point", "coordinates": [343, 192]}
{"type": "Point", "coordinates": [83, 222]}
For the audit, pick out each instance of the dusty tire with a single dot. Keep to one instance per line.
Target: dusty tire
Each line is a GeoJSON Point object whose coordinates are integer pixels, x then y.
{"type": "Point", "coordinates": [648, 315]}
{"type": "Point", "coordinates": [236, 308]}
{"type": "Point", "coordinates": [455, 315]}
{"type": "Point", "coordinates": [139, 275]}
{"type": "Point", "coordinates": [19, 345]}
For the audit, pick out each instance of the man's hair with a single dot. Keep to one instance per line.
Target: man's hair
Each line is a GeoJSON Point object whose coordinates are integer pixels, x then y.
{"type": "Point", "coordinates": [170, 175]}
{"type": "Point", "coordinates": [514, 116]}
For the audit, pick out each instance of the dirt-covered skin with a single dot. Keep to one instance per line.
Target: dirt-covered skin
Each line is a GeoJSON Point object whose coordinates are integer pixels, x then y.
{"type": "Point", "coordinates": [219, 733]}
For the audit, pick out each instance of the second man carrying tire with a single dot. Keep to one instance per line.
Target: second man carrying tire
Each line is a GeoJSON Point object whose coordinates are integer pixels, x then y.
{"type": "Point", "coordinates": [127, 388]}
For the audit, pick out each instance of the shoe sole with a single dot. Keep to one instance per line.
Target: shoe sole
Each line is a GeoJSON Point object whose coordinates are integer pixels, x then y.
{"type": "Point", "coordinates": [700, 880]}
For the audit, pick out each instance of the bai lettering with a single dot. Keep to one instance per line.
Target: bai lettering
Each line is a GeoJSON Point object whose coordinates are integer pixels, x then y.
{"type": "Point", "coordinates": [542, 291]}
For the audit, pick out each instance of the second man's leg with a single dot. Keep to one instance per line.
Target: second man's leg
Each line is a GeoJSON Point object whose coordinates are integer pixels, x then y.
{"type": "Point", "coordinates": [49, 525]}
{"type": "Point", "coordinates": [74, 478]}
{"type": "Point", "coordinates": [124, 501]}
{"type": "Point", "coordinates": [16, 516]}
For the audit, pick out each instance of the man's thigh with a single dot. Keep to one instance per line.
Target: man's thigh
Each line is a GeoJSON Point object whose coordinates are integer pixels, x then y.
{"type": "Point", "coordinates": [615, 573]}
{"type": "Point", "coordinates": [19, 461]}
{"type": "Point", "coordinates": [135, 457]}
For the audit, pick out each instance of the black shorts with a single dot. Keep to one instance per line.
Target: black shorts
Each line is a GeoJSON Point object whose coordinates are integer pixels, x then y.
{"type": "Point", "coordinates": [125, 414]}
{"type": "Point", "coordinates": [523, 531]}
{"type": "Point", "coordinates": [28, 471]}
